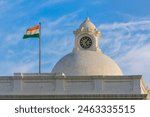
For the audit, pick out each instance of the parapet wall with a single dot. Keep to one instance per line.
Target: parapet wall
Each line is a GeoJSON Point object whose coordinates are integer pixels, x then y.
{"type": "Point", "coordinates": [148, 95]}
{"type": "Point", "coordinates": [48, 84]}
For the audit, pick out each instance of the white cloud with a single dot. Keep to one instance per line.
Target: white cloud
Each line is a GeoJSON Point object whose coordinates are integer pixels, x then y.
{"type": "Point", "coordinates": [56, 41]}
{"type": "Point", "coordinates": [22, 8]}
{"type": "Point", "coordinates": [59, 33]}
{"type": "Point", "coordinates": [122, 41]}
{"type": "Point", "coordinates": [10, 67]}
{"type": "Point", "coordinates": [52, 2]}
{"type": "Point", "coordinates": [127, 26]}
{"type": "Point", "coordinates": [137, 61]}
{"type": "Point", "coordinates": [129, 44]}
{"type": "Point", "coordinates": [6, 5]}
{"type": "Point", "coordinates": [125, 36]}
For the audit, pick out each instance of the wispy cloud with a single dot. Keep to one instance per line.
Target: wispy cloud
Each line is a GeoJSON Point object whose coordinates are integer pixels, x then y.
{"type": "Point", "coordinates": [136, 61]}
{"type": "Point", "coordinates": [129, 44]}
{"type": "Point", "coordinates": [59, 36]}
{"type": "Point", "coordinates": [126, 42]}
{"type": "Point", "coordinates": [53, 2]}
{"type": "Point", "coordinates": [6, 5]}
{"type": "Point", "coordinates": [10, 67]}
{"type": "Point", "coordinates": [125, 36]}
{"type": "Point", "coordinates": [57, 40]}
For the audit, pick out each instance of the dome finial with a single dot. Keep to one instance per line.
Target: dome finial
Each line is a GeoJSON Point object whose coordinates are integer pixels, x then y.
{"type": "Point", "coordinates": [87, 24]}
{"type": "Point", "coordinates": [87, 19]}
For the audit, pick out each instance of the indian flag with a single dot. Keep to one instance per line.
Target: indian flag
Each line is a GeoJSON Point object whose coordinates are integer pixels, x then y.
{"type": "Point", "coordinates": [33, 32]}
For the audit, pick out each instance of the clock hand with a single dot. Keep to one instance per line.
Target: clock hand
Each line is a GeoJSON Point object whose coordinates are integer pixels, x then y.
{"type": "Point", "coordinates": [87, 42]}
{"type": "Point", "coordinates": [84, 42]}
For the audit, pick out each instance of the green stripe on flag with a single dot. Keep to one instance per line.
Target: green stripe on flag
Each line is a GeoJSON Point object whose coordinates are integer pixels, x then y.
{"type": "Point", "coordinates": [31, 36]}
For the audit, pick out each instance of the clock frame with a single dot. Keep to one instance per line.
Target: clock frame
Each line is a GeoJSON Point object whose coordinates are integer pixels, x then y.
{"type": "Point", "coordinates": [85, 42]}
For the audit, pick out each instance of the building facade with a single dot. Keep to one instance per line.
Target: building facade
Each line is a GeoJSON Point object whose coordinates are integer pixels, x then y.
{"type": "Point", "coordinates": [50, 86]}
{"type": "Point", "coordinates": [85, 73]}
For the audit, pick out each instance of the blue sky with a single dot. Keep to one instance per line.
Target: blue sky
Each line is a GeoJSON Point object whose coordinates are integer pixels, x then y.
{"type": "Point", "coordinates": [125, 27]}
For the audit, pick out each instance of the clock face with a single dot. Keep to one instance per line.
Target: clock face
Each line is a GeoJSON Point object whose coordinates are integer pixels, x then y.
{"type": "Point", "coordinates": [85, 42]}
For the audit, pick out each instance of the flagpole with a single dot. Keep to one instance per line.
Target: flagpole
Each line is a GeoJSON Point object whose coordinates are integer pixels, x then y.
{"type": "Point", "coordinates": [39, 47]}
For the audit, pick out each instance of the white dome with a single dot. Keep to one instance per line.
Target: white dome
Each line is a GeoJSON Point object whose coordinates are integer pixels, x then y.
{"type": "Point", "coordinates": [87, 24]}
{"type": "Point", "coordinates": [86, 63]}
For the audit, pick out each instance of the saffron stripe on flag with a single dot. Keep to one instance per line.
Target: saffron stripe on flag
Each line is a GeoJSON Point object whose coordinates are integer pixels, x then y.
{"type": "Point", "coordinates": [33, 28]}
{"type": "Point", "coordinates": [32, 32]}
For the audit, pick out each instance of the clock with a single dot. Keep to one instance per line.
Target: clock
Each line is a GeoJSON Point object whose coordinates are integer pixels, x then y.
{"type": "Point", "coordinates": [85, 42]}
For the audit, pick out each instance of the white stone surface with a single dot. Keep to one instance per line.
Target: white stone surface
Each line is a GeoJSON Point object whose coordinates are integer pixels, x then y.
{"type": "Point", "coordinates": [148, 97]}
{"type": "Point", "coordinates": [73, 85]}
{"type": "Point", "coordinates": [87, 24]}
{"type": "Point", "coordinates": [81, 74]}
{"type": "Point", "coordinates": [87, 62]}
